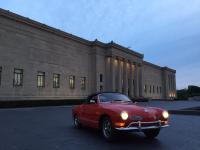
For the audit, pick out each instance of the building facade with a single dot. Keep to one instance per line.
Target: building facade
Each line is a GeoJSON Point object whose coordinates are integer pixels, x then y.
{"type": "Point", "coordinates": [40, 62]}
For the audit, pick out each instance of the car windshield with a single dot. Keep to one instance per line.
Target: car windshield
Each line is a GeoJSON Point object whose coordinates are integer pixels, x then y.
{"type": "Point", "coordinates": [110, 97]}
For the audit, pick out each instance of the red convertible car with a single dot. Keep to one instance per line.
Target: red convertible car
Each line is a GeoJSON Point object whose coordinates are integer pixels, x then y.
{"type": "Point", "coordinates": [112, 112]}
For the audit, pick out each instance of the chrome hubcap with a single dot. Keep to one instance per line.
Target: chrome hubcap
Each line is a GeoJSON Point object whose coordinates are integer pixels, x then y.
{"type": "Point", "coordinates": [76, 122]}
{"type": "Point", "coordinates": [107, 128]}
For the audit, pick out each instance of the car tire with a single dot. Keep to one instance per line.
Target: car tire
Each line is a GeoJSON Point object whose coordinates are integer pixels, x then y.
{"type": "Point", "coordinates": [77, 123]}
{"type": "Point", "coordinates": [107, 130]}
{"type": "Point", "coordinates": [151, 133]}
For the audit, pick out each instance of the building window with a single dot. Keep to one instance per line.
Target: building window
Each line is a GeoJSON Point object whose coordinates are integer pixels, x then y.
{"type": "Point", "coordinates": [72, 82]}
{"type": "Point", "coordinates": [160, 89]}
{"type": "Point", "coordinates": [101, 88]}
{"type": "Point", "coordinates": [0, 74]}
{"type": "Point", "coordinates": [157, 90]}
{"type": "Point", "coordinates": [116, 81]}
{"type": "Point", "coordinates": [122, 86]}
{"type": "Point", "coordinates": [83, 83]}
{"type": "Point", "coordinates": [18, 77]}
{"type": "Point", "coordinates": [101, 77]}
{"type": "Point", "coordinates": [129, 85]}
{"type": "Point", "coordinates": [56, 80]}
{"type": "Point", "coordinates": [145, 88]}
{"type": "Point", "coordinates": [41, 79]}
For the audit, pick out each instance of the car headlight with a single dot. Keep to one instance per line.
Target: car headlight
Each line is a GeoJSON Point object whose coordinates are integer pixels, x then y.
{"type": "Point", "coordinates": [124, 115]}
{"type": "Point", "coordinates": [165, 114]}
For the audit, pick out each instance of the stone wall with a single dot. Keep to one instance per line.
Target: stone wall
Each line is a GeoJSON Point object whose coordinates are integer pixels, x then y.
{"type": "Point", "coordinates": [32, 46]}
{"type": "Point", "coordinates": [34, 50]}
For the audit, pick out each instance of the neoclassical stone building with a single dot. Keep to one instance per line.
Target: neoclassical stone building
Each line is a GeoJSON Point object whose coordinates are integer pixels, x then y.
{"type": "Point", "coordinates": [40, 62]}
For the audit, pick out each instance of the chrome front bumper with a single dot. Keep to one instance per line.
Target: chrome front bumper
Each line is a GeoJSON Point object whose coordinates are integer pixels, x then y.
{"type": "Point", "coordinates": [139, 126]}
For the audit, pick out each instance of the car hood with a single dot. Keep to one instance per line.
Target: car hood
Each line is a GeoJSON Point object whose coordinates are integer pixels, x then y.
{"type": "Point", "coordinates": [133, 109]}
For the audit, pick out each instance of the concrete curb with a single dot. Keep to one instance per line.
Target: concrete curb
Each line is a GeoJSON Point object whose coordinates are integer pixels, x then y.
{"type": "Point", "coordinates": [38, 103]}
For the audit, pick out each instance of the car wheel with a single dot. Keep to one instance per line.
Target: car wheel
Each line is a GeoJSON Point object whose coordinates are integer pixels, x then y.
{"type": "Point", "coordinates": [77, 123]}
{"type": "Point", "coordinates": [151, 133]}
{"type": "Point", "coordinates": [107, 130]}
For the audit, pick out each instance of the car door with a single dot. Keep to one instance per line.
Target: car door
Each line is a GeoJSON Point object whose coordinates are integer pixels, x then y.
{"type": "Point", "coordinates": [90, 112]}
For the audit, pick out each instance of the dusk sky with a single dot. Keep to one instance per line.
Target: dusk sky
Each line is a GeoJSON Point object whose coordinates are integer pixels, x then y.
{"type": "Point", "coordinates": [167, 32]}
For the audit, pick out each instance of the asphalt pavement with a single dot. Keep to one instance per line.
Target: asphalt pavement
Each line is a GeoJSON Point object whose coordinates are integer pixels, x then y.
{"type": "Point", "coordinates": [50, 128]}
{"type": "Point", "coordinates": [171, 105]}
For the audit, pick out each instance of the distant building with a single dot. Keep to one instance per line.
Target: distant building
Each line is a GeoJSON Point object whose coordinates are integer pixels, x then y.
{"type": "Point", "coordinates": [41, 62]}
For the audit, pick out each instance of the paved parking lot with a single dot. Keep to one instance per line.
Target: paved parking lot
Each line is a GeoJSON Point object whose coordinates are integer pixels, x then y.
{"type": "Point", "coordinates": [50, 128]}
{"type": "Point", "coordinates": [172, 105]}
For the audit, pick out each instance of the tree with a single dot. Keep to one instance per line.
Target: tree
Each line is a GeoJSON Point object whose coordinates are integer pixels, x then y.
{"type": "Point", "coordinates": [190, 92]}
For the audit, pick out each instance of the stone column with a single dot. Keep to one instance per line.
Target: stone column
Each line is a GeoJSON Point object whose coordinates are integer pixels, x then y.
{"type": "Point", "coordinates": [126, 81]}
{"type": "Point", "coordinates": [172, 86]}
{"type": "Point", "coordinates": [125, 87]}
{"type": "Point", "coordinates": [112, 73]}
{"type": "Point", "coordinates": [170, 83]}
{"type": "Point", "coordinates": [164, 84]}
{"type": "Point", "coordinates": [136, 91]}
{"type": "Point", "coordinates": [175, 85]}
{"type": "Point", "coordinates": [141, 90]}
{"type": "Point", "coordinates": [119, 75]}
{"type": "Point", "coordinates": [107, 83]}
{"type": "Point", "coordinates": [131, 80]}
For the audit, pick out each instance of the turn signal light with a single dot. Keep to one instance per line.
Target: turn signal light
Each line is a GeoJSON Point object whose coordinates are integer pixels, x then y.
{"type": "Point", "coordinates": [166, 122]}
{"type": "Point", "coordinates": [120, 124]}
